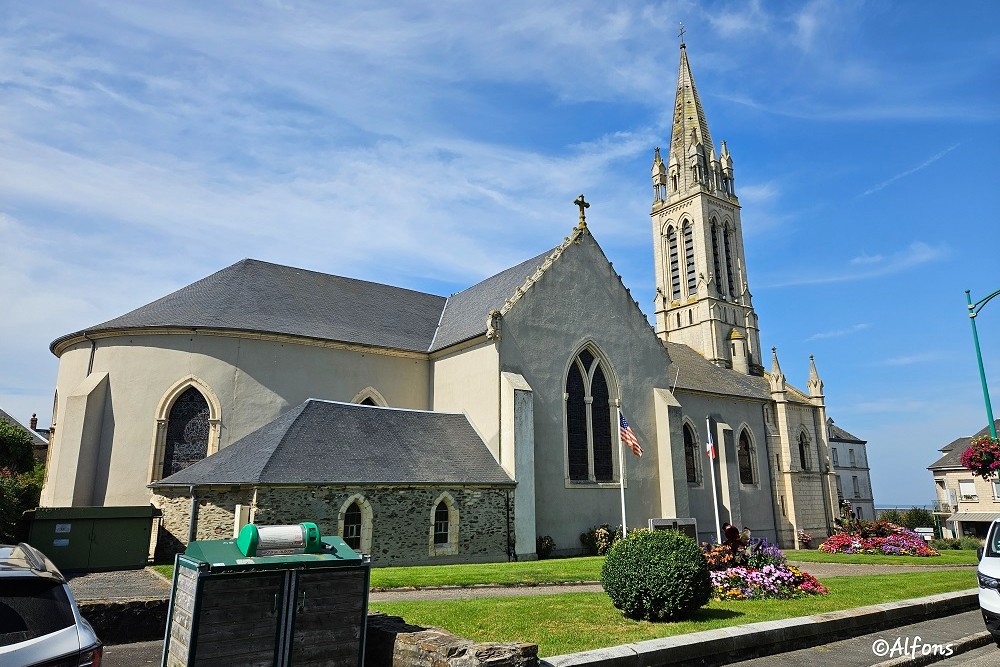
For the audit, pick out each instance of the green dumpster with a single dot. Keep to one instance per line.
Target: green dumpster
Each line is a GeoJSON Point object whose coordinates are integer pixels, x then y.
{"type": "Point", "coordinates": [93, 538]}
{"type": "Point", "coordinates": [276, 595]}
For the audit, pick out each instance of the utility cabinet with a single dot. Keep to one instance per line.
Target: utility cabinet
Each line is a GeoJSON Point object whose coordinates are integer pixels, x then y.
{"type": "Point", "coordinates": [93, 538]}
{"type": "Point", "coordinates": [286, 608]}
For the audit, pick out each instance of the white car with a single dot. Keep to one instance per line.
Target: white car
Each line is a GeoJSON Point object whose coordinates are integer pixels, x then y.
{"type": "Point", "coordinates": [39, 620]}
{"type": "Point", "coordinates": [988, 574]}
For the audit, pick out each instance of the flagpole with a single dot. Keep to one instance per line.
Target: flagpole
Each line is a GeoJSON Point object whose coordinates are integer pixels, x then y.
{"type": "Point", "coordinates": [621, 467]}
{"type": "Point", "coordinates": [715, 495]}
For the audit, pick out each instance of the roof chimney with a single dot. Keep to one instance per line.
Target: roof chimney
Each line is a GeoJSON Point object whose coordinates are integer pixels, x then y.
{"type": "Point", "coordinates": [34, 421]}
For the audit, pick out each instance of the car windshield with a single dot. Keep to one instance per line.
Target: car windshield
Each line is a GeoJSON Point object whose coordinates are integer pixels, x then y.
{"type": "Point", "coordinates": [993, 541]}
{"type": "Point", "coordinates": [32, 608]}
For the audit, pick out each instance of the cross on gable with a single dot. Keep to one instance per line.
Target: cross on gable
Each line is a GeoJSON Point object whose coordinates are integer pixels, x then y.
{"type": "Point", "coordinates": [583, 204]}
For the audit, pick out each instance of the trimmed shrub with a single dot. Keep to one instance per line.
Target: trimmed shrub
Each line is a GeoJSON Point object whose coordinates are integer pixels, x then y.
{"type": "Point", "coordinates": [656, 575]}
{"type": "Point", "coordinates": [544, 545]}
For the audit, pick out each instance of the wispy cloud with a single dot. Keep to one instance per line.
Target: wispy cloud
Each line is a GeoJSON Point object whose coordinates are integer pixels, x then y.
{"type": "Point", "coordinates": [866, 267]}
{"type": "Point", "coordinates": [839, 333]}
{"type": "Point", "coordinates": [910, 360]}
{"type": "Point", "coordinates": [923, 165]}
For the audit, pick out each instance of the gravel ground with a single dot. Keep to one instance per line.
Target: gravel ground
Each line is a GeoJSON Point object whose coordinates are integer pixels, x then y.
{"type": "Point", "coordinates": [118, 584]}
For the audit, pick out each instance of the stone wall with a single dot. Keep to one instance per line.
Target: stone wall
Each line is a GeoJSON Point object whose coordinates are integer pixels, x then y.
{"type": "Point", "coordinates": [401, 518]}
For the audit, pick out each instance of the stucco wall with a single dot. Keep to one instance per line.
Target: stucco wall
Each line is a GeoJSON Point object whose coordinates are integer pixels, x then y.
{"type": "Point", "coordinates": [580, 300]}
{"type": "Point", "coordinates": [469, 381]}
{"type": "Point", "coordinates": [253, 381]}
{"type": "Point", "coordinates": [401, 518]}
{"type": "Point", "coordinates": [751, 505]}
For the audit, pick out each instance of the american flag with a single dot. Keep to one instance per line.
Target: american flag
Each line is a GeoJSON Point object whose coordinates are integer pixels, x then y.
{"type": "Point", "coordinates": [628, 437]}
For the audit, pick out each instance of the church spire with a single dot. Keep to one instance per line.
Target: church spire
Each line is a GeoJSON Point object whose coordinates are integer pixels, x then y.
{"type": "Point", "coordinates": [814, 384]}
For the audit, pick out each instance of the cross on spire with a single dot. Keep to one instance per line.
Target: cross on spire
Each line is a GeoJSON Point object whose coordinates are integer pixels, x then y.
{"type": "Point", "coordinates": [680, 32]}
{"type": "Point", "coordinates": [583, 204]}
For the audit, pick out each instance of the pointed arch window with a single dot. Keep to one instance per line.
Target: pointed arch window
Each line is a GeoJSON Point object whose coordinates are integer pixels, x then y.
{"type": "Point", "coordinates": [730, 272]}
{"type": "Point", "coordinates": [691, 459]}
{"type": "Point", "coordinates": [746, 458]}
{"type": "Point", "coordinates": [674, 260]}
{"type": "Point", "coordinates": [692, 278]}
{"type": "Point", "coordinates": [369, 401]}
{"type": "Point", "coordinates": [443, 536]}
{"type": "Point", "coordinates": [716, 263]}
{"type": "Point", "coordinates": [355, 523]}
{"type": "Point", "coordinates": [804, 452]}
{"type": "Point", "coordinates": [187, 432]}
{"type": "Point", "coordinates": [589, 447]}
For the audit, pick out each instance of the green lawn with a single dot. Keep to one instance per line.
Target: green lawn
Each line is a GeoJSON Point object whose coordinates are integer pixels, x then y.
{"type": "Point", "coordinates": [586, 569]}
{"type": "Point", "coordinates": [948, 557]}
{"type": "Point", "coordinates": [572, 622]}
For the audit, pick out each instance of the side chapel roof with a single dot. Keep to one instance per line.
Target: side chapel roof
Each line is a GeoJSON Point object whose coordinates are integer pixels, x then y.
{"type": "Point", "coordinates": [328, 442]}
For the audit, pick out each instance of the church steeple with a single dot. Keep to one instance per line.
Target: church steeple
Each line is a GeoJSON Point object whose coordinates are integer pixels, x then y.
{"type": "Point", "coordinates": [702, 296]}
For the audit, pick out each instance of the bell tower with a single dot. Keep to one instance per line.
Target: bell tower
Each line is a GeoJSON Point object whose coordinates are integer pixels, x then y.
{"type": "Point", "coordinates": [702, 296]}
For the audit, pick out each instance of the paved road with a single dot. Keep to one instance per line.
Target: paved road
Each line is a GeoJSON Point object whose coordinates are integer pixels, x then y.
{"type": "Point", "coordinates": [876, 647]}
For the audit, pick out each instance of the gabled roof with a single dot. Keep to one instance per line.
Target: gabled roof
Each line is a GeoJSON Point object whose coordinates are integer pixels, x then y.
{"type": "Point", "coordinates": [326, 442]}
{"type": "Point", "coordinates": [465, 313]}
{"type": "Point", "coordinates": [36, 438]}
{"type": "Point", "coordinates": [953, 451]}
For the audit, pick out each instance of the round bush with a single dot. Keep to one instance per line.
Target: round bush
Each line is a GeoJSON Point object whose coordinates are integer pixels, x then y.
{"type": "Point", "coordinates": [658, 575]}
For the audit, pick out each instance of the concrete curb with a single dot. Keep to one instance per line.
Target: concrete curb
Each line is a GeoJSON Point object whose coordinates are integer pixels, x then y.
{"type": "Point", "coordinates": [741, 642]}
{"type": "Point", "coordinates": [967, 643]}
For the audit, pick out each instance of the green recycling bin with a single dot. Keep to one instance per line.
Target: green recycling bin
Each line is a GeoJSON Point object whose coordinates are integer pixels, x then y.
{"type": "Point", "coordinates": [276, 595]}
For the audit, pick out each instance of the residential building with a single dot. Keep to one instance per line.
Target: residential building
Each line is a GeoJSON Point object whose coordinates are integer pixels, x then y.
{"type": "Point", "coordinates": [966, 504]}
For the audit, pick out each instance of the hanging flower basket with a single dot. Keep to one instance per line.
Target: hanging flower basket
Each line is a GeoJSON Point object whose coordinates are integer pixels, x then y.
{"type": "Point", "coordinates": [982, 457]}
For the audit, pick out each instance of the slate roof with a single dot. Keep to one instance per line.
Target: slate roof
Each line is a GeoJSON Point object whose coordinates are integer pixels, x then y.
{"type": "Point", "coordinates": [252, 295]}
{"type": "Point", "coordinates": [698, 374]}
{"type": "Point", "coordinates": [840, 435]}
{"type": "Point", "coordinates": [954, 449]}
{"type": "Point", "coordinates": [327, 442]}
{"type": "Point", "coordinates": [257, 296]}
{"type": "Point", "coordinates": [36, 438]}
{"type": "Point", "coordinates": [465, 313]}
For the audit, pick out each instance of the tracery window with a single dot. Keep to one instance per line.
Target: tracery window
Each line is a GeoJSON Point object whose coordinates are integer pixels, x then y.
{"type": "Point", "coordinates": [443, 535]}
{"type": "Point", "coordinates": [692, 278]}
{"type": "Point", "coordinates": [691, 459]}
{"type": "Point", "coordinates": [187, 432]}
{"type": "Point", "coordinates": [745, 457]}
{"type": "Point", "coordinates": [674, 259]}
{"type": "Point", "coordinates": [588, 421]}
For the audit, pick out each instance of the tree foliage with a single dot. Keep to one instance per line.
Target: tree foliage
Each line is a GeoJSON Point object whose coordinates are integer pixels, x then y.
{"type": "Point", "coordinates": [15, 448]}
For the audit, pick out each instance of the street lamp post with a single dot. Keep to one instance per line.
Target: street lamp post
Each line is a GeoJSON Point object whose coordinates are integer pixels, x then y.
{"type": "Point", "coordinates": [974, 309]}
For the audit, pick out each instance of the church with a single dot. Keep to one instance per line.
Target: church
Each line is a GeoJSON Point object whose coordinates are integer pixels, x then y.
{"type": "Point", "coordinates": [430, 429]}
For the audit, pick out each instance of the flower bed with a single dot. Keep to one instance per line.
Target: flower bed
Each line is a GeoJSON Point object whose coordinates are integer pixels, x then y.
{"type": "Point", "coordinates": [881, 538]}
{"type": "Point", "coordinates": [758, 571]}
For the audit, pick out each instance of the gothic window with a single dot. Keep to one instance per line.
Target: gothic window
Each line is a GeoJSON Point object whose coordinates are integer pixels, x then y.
{"type": "Point", "coordinates": [691, 458]}
{"type": "Point", "coordinates": [441, 523]}
{"type": "Point", "coordinates": [675, 275]}
{"type": "Point", "coordinates": [590, 452]}
{"type": "Point", "coordinates": [352, 526]}
{"type": "Point", "coordinates": [187, 432]}
{"type": "Point", "coordinates": [804, 452]}
{"type": "Point", "coordinates": [727, 238]}
{"type": "Point", "coordinates": [369, 401]}
{"type": "Point", "coordinates": [692, 278]}
{"type": "Point", "coordinates": [443, 535]}
{"type": "Point", "coordinates": [745, 457]}
{"type": "Point", "coordinates": [716, 263]}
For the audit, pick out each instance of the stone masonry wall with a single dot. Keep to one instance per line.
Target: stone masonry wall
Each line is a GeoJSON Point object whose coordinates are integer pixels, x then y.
{"type": "Point", "coordinates": [216, 515]}
{"type": "Point", "coordinates": [401, 518]}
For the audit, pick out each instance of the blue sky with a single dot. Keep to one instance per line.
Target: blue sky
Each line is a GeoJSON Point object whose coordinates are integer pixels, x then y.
{"type": "Point", "coordinates": [428, 145]}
